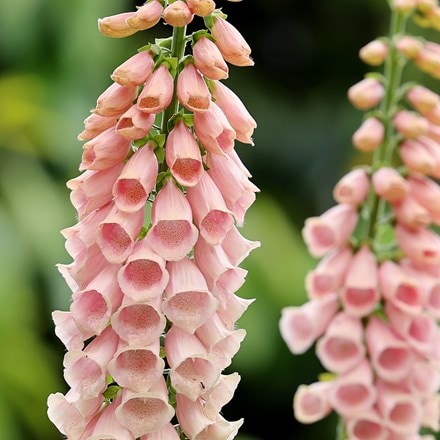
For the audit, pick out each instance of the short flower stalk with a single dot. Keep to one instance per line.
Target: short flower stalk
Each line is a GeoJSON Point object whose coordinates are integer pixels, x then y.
{"type": "Point", "coordinates": [373, 296]}
{"type": "Point", "coordinates": [156, 250]}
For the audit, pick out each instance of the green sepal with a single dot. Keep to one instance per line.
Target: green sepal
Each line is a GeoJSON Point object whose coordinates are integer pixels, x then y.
{"type": "Point", "coordinates": [138, 143]}
{"type": "Point", "coordinates": [376, 75]}
{"type": "Point", "coordinates": [210, 19]}
{"type": "Point", "coordinates": [155, 49]}
{"type": "Point", "coordinates": [187, 59]}
{"type": "Point", "coordinates": [164, 42]}
{"type": "Point", "coordinates": [175, 119]}
{"type": "Point", "coordinates": [159, 139]}
{"type": "Point", "coordinates": [188, 118]}
{"type": "Point", "coordinates": [161, 177]}
{"type": "Point", "coordinates": [144, 48]}
{"type": "Point", "coordinates": [203, 33]}
{"type": "Point", "coordinates": [172, 62]}
{"type": "Point", "coordinates": [111, 392]}
{"type": "Point", "coordinates": [160, 154]}
{"type": "Point", "coordinates": [327, 377]}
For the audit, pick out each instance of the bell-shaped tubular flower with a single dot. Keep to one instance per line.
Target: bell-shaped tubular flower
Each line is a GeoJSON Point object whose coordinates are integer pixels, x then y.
{"type": "Point", "coordinates": [168, 432]}
{"type": "Point", "coordinates": [426, 192]}
{"type": "Point", "coordinates": [137, 368]}
{"type": "Point", "coordinates": [310, 402]}
{"type": "Point", "coordinates": [419, 330]}
{"type": "Point", "coordinates": [143, 413]}
{"type": "Point", "coordinates": [157, 93]}
{"type": "Point", "coordinates": [214, 130]}
{"type": "Point", "coordinates": [237, 191]}
{"type": "Point", "coordinates": [93, 189]}
{"type": "Point", "coordinates": [209, 60]}
{"type": "Point", "coordinates": [115, 100]}
{"type": "Point", "coordinates": [331, 230]}
{"type": "Point", "coordinates": [85, 371]}
{"type": "Point", "coordinates": [354, 392]}
{"type": "Point", "coordinates": [95, 124]}
{"type": "Point", "coordinates": [135, 70]}
{"type": "Point", "coordinates": [71, 413]}
{"type": "Point", "coordinates": [367, 425]}
{"type": "Point", "coordinates": [139, 324]}
{"type": "Point", "coordinates": [193, 370]}
{"type": "Point", "coordinates": [116, 26]}
{"type": "Point", "coordinates": [172, 234]}
{"type": "Point", "coordinates": [134, 123]}
{"type": "Point", "coordinates": [93, 306]}
{"type": "Point", "coordinates": [390, 185]}
{"type": "Point", "coordinates": [424, 378]}
{"type": "Point", "coordinates": [360, 293]}
{"type": "Point", "coordinates": [235, 111]}
{"type": "Point", "coordinates": [236, 247]}
{"type": "Point", "coordinates": [400, 288]}
{"type": "Point", "coordinates": [144, 275]}
{"type": "Point", "coordinates": [341, 348]}
{"type": "Point", "coordinates": [391, 356]}
{"type": "Point", "coordinates": [137, 180]}
{"type": "Point", "coordinates": [401, 411]}
{"type": "Point", "coordinates": [67, 330]}
{"type": "Point", "coordinates": [202, 8]}
{"type": "Point", "coordinates": [197, 426]}
{"type": "Point", "coordinates": [106, 150]}
{"type": "Point", "coordinates": [301, 326]}
{"type": "Point", "coordinates": [211, 214]}
{"type": "Point", "coordinates": [231, 43]}
{"type": "Point", "coordinates": [192, 91]}
{"type": "Point", "coordinates": [183, 155]}
{"type": "Point", "coordinates": [188, 302]}
{"type": "Point", "coordinates": [117, 233]}
{"type": "Point", "coordinates": [329, 275]}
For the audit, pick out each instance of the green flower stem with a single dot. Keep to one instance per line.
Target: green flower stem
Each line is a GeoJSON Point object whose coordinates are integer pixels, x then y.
{"type": "Point", "coordinates": [383, 156]}
{"type": "Point", "coordinates": [178, 50]}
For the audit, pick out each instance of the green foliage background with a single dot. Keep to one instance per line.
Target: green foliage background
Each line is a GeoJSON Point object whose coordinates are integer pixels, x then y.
{"type": "Point", "coordinates": [53, 65]}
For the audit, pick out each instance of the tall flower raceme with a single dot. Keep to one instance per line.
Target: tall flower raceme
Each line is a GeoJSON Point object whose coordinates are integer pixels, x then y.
{"type": "Point", "coordinates": [156, 250]}
{"type": "Point", "coordinates": [374, 296]}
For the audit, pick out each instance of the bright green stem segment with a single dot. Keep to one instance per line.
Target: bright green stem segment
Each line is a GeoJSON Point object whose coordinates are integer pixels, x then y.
{"type": "Point", "coordinates": [383, 155]}
{"type": "Point", "coordinates": [178, 50]}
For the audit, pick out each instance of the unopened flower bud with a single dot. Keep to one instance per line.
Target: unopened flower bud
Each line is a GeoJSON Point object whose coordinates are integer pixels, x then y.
{"type": "Point", "coordinates": [178, 14]}
{"type": "Point", "coordinates": [408, 46]}
{"type": "Point", "coordinates": [374, 53]}
{"type": "Point", "coordinates": [423, 99]}
{"type": "Point", "coordinates": [352, 188]}
{"type": "Point", "coordinates": [369, 135]}
{"type": "Point", "coordinates": [202, 8]}
{"type": "Point", "coordinates": [146, 16]}
{"type": "Point", "coordinates": [410, 124]}
{"type": "Point", "coordinates": [390, 185]}
{"type": "Point", "coordinates": [366, 93]}
{"type": "Point", "coordinates": [116, 26]}
{"type": "Point", "coordinates": [135, 70]}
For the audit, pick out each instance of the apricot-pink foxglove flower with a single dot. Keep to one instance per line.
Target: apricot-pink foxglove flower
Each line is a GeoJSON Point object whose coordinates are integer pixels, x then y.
{"type": "Point", "coordinates": [156, 250]}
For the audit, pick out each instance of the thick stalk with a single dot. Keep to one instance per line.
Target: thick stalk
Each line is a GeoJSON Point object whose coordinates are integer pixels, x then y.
{"type": "Point", "coordinates": [178, 50]}
{"type": "Point", "coordinates": [383, 155]}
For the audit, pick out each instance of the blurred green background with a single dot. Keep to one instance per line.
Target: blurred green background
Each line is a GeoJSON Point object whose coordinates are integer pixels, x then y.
{"type": "Point", "coordinates": [54, 64]}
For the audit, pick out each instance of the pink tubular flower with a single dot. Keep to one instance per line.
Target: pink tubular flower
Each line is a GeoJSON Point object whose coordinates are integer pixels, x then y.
{"type": "Point", "coordinates": [331, 230]}
{"type": "Point", "coordinates": [134, 124]}
{"type": "Point", "coordinates": [209, 60]}
{"type": "Point", "coordinates": [389, 184]}
{"type": "Point", "coordinates": [341, 347]}
{"type": "Point", "coordinates": [117, 233]}
{"type": "Point", "coordinates": [173, 234]}
{"type": "Point", "coordinates": [96, 124]}
{"type": "Point", "coordinates": [374, 53]}
{"type": "Point", "coordinates": [136, 181]}
{"type": "Point", "coordinates": [231, 43]}
{"type": "Point", "coordinates": [116, 26]}
{"type": "Point", "coordinates": [157, 92]}
{"type": "Point", "coordinates": [360, 293]}
{"type": "Point", "coordinates": [410, 124]}
{"type": "Point", "coordinates": [366, 94]}
{"type": "Point", "coordinates": [202, 8]}
{"type": "Point", "coordinates": [192, 90]}
{"type": "Point", "coordinates": [93, 189]}
{"type": "Point", "coordinates": [352, 188]}
{"type": "Point", "coordinates": [369, 135]}
{"type": "Point", "coordinates": [210, 212]}
{"type": "Point", "coordinates": [188, 302]}
{"type": "Point", "coordinates": [135, 70]}
{"type": "Point", "coordinates": [237, 191]}
{"type": "Point", "coordinates": [310, 403]}
{"type": "Point", "coordinates": [214, 130]}
{"type": "Point", "coordinates": [301, 326]}
{"type": "Point", "coordinates": [144, 275]}
{"type": "Point", "coordinates": [235, 111]}
{"type": "Point", "coordinates": [146, 16]}
{"type": "Point", "coordinates": [115, 100]}
{"type": "Point", "coordinates": [177, 14]}
{"type": "Point", "coordinates": [106, 150]}
{"type": "Point", "coordinates": [183, 155]}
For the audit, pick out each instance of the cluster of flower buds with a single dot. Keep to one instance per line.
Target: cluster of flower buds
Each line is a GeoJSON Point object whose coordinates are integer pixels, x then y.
{"type": "Point", "coordinates": [374, 296]}
{"type": "Point", "coordinates": [156, 250]}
